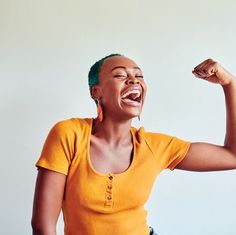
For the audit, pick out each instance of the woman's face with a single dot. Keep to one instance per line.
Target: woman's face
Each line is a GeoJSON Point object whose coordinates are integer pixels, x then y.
{"type": "Point", "coordinates": [121, 88]}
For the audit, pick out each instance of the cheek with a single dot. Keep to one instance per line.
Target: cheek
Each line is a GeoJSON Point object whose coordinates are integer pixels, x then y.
{"type": "Point", "coordinates": [144, 89]}
{"type": "Point", "coordinates": [145, 92]}
{"type": "Point", "coordinates": [112, 88]}
{"type": "Point", "coordinates": [110, 94]}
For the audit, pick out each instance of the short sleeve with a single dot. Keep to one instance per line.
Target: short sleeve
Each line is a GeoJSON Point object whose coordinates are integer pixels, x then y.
{"type": "Point", "coordinates": [168, 150]}
{"type": "Point", "coordinates": [58, 149]}
{"type": "Point", "coordinates": [178, 150]}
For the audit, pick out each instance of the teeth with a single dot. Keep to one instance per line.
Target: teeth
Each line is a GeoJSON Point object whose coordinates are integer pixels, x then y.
{"type": "Point", "coordinates": [136, 93]}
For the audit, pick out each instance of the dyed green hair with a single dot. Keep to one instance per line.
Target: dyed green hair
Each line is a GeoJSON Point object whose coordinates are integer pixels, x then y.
{"type": "Point", "coordinates": [93, 76]}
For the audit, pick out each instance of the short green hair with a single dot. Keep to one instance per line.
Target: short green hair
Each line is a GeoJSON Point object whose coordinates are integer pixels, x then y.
{"type": "Point", "coordinates": [93, 76]}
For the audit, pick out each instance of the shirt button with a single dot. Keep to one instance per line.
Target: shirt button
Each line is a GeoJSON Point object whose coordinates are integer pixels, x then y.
{"type": "Point", "coordinates": [110, 177]}
{"type": "Point", "coordinates": [109, 197]}
{"type": "Point", "coordinates": [109, 187]}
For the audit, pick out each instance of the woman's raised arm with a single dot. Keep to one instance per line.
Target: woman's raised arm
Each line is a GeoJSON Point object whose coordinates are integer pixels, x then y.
{"type": "Point", "coordinates": [209, 157]}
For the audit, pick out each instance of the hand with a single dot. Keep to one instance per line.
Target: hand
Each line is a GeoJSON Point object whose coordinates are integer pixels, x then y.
{"type": "Point", "coordinates": [212, 71]}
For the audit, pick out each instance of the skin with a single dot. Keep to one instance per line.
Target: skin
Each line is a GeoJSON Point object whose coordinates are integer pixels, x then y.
{"type": "Point", "coordinates": [113, 134]}
{"type": "Point", "coordinates": [210, 157]}
{"type": "Point", "coordinates": [111, 143]}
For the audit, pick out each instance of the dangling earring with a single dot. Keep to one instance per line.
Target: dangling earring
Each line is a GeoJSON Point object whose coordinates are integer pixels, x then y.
{"type": "Point", "coordinates": [99, 111]}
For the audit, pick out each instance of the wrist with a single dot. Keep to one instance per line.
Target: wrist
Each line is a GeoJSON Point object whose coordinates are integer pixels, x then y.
{"type": "Point", "coordinates": [229, 80]}
{"type": "Point", "coordinates": [230, 85]}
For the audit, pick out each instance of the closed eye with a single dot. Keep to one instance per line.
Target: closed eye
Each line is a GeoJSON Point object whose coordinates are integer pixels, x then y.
{"type": "Point", "coordinates": [139, 76]}
{"type": "Point", "coordinates": [120, 76]}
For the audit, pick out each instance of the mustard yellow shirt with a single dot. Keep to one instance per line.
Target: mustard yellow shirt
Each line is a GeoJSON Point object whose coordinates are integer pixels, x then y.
{"type": "Point", "coordinates": [107, 204]}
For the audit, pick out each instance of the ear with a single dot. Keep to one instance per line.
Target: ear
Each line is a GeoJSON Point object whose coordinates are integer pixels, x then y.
{"type": "Point", "coordinates": [96, 92]}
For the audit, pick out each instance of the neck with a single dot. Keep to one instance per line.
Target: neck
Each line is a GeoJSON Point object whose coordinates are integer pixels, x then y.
{"type": "Point", "coordinates": [112, 131]}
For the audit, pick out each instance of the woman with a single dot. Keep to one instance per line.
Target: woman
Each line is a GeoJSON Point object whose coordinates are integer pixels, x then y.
{"type": "Point", "coordinates": [101, 171]}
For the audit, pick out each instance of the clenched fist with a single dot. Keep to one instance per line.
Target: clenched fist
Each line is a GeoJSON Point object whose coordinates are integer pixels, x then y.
{"type": "Point", "coordinates": [212, 71]}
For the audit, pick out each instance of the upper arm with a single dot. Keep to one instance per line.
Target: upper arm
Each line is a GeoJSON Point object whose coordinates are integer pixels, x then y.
{"type": "Point", "coordinates": [207, 157]}
{"type": "Point", "coordinates": [49, 192]}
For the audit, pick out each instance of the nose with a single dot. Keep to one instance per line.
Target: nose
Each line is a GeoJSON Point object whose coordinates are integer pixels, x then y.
{"type": "Point", "coordinates": [132, 80]}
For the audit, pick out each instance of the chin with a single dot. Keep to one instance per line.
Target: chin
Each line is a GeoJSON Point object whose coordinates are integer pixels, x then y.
{"type": "Point", "coordinates": [130, 111]}
{"type": "Point", "coordinates": [133, 114]}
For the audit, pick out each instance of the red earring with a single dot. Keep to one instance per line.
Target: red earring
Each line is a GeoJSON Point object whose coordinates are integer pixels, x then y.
{"type": "Point", "coordinates": [99, 111]}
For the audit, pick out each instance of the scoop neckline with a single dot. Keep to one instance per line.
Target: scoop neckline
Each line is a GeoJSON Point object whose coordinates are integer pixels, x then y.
{"type": "Point", "coordinates": [88, 159]}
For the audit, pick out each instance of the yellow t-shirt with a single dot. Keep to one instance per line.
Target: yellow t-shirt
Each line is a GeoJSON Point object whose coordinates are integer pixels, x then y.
{"type": "Point", "coordinates": [107, 204]}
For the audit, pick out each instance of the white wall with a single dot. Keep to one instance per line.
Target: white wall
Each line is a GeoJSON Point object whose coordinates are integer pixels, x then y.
{"type": "Point", "coordinates": [46, 50]}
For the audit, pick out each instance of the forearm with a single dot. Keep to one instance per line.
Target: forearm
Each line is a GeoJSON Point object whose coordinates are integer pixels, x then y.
{"type": "Point", "coordinates": [230, 101]}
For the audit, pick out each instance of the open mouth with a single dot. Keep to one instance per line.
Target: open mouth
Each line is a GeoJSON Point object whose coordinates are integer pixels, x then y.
{"type": "Point", "coordinates": [132, 96]}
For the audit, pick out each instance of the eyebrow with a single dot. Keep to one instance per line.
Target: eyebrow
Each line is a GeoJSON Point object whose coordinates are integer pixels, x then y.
{"type": "Point", "coordinates": [123, 67]}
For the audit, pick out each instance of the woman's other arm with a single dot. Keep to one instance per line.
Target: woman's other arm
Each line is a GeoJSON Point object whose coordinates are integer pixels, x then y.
{"type": "Point", "coordinates": [210, 157]}
{"type": "Point", "coordinates": [49, 193]}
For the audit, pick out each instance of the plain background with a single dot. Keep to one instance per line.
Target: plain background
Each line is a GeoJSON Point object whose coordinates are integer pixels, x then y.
{"type": "Point", "coordinates": [46, 50]}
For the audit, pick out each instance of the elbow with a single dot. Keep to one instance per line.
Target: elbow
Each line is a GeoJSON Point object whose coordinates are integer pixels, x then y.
{"type": "Point", "coordinates": [36, 230]}
{"type": "Point", "coordinates": [234, 157]}
{"type": "Point", "coordinates": [230, 146]}
{"type": "Point", "coordinates": [234, 162]}
{"type": "Point", "coordinates": [231, 152]}
{"type": "Point", "coordinates": [41, 229]}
